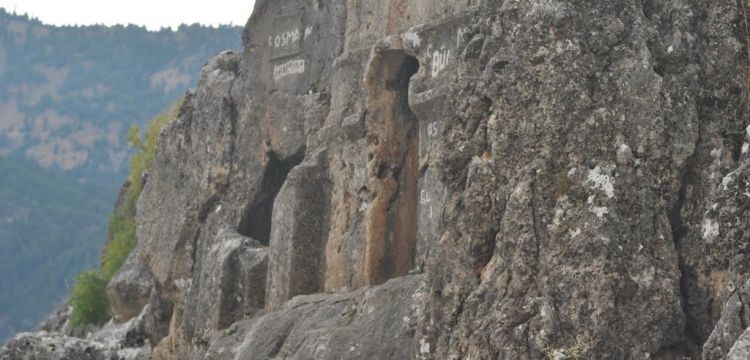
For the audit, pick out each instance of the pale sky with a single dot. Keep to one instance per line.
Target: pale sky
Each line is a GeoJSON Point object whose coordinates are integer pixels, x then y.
{"type": "Point", "coordinates": [153, 14]}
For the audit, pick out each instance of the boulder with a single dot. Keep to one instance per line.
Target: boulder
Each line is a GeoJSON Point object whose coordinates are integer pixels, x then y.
{"type": "Point", "coordinates": [129, 290]}
{"type": "Point", "coordinates": [371, 323]}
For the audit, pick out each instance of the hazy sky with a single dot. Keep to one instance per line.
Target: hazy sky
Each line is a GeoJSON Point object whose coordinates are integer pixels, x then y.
{"type": "Point", "coordinates": [153, 14]}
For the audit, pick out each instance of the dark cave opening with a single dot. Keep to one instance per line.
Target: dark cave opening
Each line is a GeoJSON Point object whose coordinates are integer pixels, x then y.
{"type": "Point", "coordinates": [256, 219]}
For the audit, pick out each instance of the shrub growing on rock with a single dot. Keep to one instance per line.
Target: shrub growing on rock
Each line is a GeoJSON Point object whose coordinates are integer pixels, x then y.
{"type": "Point", "coordinates": [89, 299]}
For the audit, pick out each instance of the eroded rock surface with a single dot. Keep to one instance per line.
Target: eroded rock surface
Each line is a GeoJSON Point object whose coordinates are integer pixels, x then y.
{"type": "Point", "coordinates": [741, 349]}
{"type": "Point", "coordinates": [570, 176]}
{"type": "Point", "coordinates": [735, 318]}
{"type": "Point", "coordinates": [129, 290]}
{"type": "Point", "coordinates": [372, 323]}
{"type": "Point", "coordinates": [49, 346]}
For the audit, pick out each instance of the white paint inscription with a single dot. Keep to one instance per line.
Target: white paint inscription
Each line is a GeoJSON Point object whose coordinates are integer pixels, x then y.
{"type": "Point", "coordinates": [284, 39]}
{"type": "Point", "coordinates": [424, 197]}
{"type": "Point", "coordinates": [433, 129]}
{"type": "Point", "coordinates": [288, 68]}
{"type": "Point", "coordinates": [460, 35]}
{"type": "Point", "coordinates": [440, 59]}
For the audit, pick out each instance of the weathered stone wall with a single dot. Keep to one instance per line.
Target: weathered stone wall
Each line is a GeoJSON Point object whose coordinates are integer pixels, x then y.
{"type": "Point", "coordinates": [595, 125]}
{"type": "Point", "coordinates": [570, 176]}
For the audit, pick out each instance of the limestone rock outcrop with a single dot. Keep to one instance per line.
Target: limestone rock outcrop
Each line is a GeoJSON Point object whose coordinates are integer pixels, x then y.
{"type": "Point", "coordinates": [735, 318]}
{"type": "Point", "coordinates": [129, 290]}
{"type": "Point", "coordinates": [54, 346]}
{"type": "Point", "coordinates": [741, 349]}
{"type": "Point", "coordinates": [457, 179]}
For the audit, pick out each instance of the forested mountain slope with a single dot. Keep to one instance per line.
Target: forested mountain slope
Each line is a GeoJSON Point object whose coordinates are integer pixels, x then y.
{"type": "Point", "coordinates": [67, 97]}
{"type": "Point", "coordinates": [50, 227]}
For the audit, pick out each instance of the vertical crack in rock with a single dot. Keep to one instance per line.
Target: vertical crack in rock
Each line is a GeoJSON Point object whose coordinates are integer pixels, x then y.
{"type": "Point", "coordinates": [233, 114]}
{"type": "Point", "coordinates": [536, 223]}
{"type": "Point", "coordinates": [692, 339]}
{"type": "Point", "coordinates": [256, 220]}
{"type": "Point", "coordinates": [394, 167]}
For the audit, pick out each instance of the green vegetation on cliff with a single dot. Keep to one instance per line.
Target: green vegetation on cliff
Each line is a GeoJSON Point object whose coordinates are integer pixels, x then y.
{"type": "Point", "coordinates": [67, 97]}
{"type": "Point", "coordinates": [89, 299]}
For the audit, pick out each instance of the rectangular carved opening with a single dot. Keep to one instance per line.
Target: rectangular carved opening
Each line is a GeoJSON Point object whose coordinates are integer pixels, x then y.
{"type": "Point", "coordinates": [256, 220]}
{"type": "Point", "coordinates": [393, 151]}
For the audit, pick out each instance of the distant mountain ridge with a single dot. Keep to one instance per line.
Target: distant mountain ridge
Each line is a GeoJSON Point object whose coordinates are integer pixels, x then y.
{"type": "Point", "coordinates": [67, 97]}
{"type": "Point", "coordinates": [69, 92]}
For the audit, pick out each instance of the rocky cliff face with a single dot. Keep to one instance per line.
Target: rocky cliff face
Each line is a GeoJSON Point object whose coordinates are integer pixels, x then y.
{"type": "Point", "coordinates": [450, 180]}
